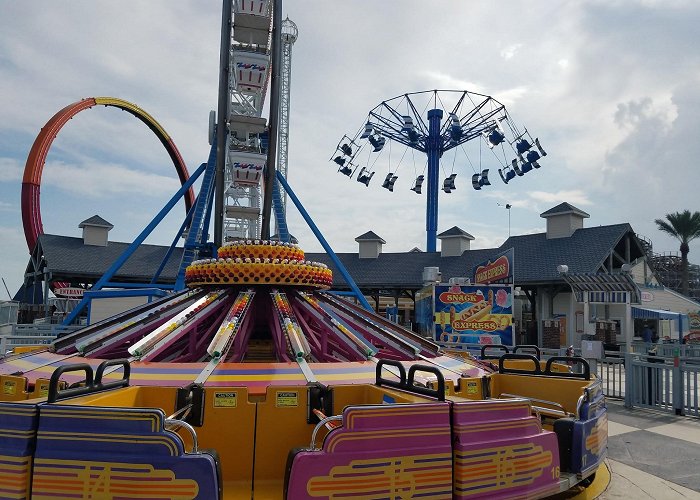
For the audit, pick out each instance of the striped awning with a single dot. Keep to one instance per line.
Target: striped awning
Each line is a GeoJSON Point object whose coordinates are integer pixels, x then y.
{"type": "Point", "coordinates": [645, 313]}
{"type": "Point", "coordinates": [604, 287]}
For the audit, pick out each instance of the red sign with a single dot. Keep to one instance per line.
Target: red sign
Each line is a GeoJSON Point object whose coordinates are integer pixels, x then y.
{"type": "Point", "coordinates": [69, 292]}
{"type": "Point", "coordinates": [492, 271]}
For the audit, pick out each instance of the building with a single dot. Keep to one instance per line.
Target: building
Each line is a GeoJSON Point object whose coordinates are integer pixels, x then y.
{"type": "Point", "coordinates": [573, 280]}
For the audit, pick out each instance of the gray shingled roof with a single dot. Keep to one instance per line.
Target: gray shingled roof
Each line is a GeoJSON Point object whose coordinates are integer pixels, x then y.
{"type": "Point", "coordinates": [454, 231]}
{"type": "Point", "coordinates": [370, 236]}
{"type": "Point", "coordinates": [96, 220]}
{"type": "Point", "coordinates": [563, 208]}
{"type": "Point", "coordinates": [67, 257]}
{"type": "Point", "coordinates": [536, 259]}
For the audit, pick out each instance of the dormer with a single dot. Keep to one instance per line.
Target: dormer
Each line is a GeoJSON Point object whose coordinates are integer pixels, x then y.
{"type": "Point", "coordinates": [370, 245]}
{"type": "Point", "coordinates": [563, 220]}
{"type": "Point", "coordinates": [95, 231]}
{"type": "Point", "coordinates": [454, 242]}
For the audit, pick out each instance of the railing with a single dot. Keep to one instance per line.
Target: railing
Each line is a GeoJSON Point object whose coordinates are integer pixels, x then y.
{"type": "Point", "coordinates": [667, 383]}
{"type": "Point", "coordinates": [32, 334]}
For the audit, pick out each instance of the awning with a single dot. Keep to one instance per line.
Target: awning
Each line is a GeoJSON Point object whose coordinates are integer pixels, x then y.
{"type": "Point", "coordinates": [644, 313]}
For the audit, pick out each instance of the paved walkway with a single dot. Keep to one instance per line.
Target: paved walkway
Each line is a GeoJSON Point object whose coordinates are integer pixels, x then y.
{"type": "Point", "coordinates": [652, 455]}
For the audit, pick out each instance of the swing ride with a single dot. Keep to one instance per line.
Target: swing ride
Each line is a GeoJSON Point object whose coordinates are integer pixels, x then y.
{"type": "Point", "coordinates": [469, 116]}
{"type": "Point", "coordinates": [254, 380]}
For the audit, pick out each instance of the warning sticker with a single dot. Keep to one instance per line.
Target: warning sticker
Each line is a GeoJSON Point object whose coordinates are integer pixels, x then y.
{"type": "Point", "coordinates": [225, 399]}
{"type": "Point", "coordinates": [472, 387]}
{"type": "Point", "coordinates": [9, 387]}
{"type": "Point", "coordinates": [43, 389]}
{"type": "Point", "coordinates": [287, 399]}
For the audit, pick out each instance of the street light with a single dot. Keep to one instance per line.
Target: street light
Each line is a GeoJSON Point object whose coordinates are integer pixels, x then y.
{"type": "Point", "coordinates": [507, 207]}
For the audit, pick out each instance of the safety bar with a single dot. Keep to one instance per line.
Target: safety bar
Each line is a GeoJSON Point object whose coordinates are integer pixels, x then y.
{"type": "Point", "coordinates": [522, 357]}
{"type": "Point", "coordinates": [568, 359]}
{"type": "Point", "coordinates": [529, 348]}
{"type": "Point", "coordinates": [332, 418]}
{"type": "Point", "coordinates": [173, 424]}
{"type": "Point", "coordinates": [391, 383]}
{"type": "Point", "coordinates": [407, 383]}
{"type": "Point", "coordinates": [498, 347]}
{"type": "Point", "coordinates": [93, 382]}
{"type": "Point", "coordinates": [558, 408]}
{"type": "Point", "coordinates": [53, 395]}
{"type": "Point", "coordinates": [438, 393]}
{"type": "Point", "coordinates": [114, 384]}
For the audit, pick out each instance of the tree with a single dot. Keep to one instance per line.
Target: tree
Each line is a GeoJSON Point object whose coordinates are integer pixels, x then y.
{"type": "Point", "coordinates": [685, 227]}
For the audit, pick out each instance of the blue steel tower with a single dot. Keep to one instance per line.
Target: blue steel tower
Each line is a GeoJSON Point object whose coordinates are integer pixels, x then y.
{"type": "Point", "coordinates": [468, 116]}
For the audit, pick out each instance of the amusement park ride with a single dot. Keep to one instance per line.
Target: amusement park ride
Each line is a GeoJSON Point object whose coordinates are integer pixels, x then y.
{"type": "Point", "coordinates": [251, 380]}
{"type": "Point", "coordinates": [470, 116]}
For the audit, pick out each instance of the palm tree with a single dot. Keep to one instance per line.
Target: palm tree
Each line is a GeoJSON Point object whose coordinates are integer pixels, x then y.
{"type": "Point", "coordinates": [685, 227]}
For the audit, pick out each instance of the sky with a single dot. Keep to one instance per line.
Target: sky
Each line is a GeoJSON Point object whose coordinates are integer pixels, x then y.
{"type": "Point", "coordinates": [611, 88]}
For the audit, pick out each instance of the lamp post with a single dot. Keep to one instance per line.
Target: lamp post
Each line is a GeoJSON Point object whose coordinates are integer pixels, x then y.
{"type": "Point", "coordinates": [507, 206]}
{"type": "Point", "coordinates": [468, 116]}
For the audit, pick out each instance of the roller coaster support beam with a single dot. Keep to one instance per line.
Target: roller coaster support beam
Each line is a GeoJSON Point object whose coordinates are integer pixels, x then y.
{"type": "Point", "coordinates": [275, 63]}
{"type": "Point", "coordinates": [104, 280]}
{"type": "Point", "coordinates": [222, 118]}
{"type": "Point", "coordinates": [434, 152]}
{"type": "Point", "coordinates": [339, 265]}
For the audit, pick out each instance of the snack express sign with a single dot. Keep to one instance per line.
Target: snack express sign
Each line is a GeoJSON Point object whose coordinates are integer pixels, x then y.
{"type": "Point", "coordinates": [473, 313]}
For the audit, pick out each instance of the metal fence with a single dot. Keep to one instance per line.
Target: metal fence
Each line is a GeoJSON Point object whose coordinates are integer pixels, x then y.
{"type": "Point", "coordinates": [667, 383]}
{"type": "Point", "coordinates": [33, 334]}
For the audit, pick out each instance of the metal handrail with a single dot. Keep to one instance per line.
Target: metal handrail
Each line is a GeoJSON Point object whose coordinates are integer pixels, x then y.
{"type": "Point", "coordinates": [173, 424]}
{"type": "Point", "coordinates": [558, 408]}
{"type": "Point", "coordinates": [332, 418]}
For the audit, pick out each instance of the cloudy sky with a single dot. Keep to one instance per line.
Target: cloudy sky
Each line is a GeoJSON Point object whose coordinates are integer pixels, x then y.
{"type": "Point", "coordinates": [611, 88]}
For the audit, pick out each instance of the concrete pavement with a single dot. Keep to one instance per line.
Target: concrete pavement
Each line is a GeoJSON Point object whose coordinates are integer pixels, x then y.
{"type": "Point", "coordinates": [652, 455]}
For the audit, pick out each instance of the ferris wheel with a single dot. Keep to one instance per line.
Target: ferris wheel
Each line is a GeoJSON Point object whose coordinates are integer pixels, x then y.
{"type": "Point", "coordinates": [434, 122]}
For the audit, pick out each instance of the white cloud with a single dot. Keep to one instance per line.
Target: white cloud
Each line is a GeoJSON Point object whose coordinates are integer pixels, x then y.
{"type": "Point", "coordinates": [96, 179]}
{"type": "Point", "coordinates": [509, 51]}
{"type": "Point", "coordinates": [10, 170]}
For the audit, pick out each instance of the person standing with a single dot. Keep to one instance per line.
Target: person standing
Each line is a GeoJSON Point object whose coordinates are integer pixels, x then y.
{"type": "Point", "coordinates": [646, 333]}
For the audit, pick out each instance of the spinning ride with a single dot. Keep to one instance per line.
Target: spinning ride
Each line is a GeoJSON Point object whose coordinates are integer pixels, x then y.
{"type": "Point", "coordinates": [256, 382]}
